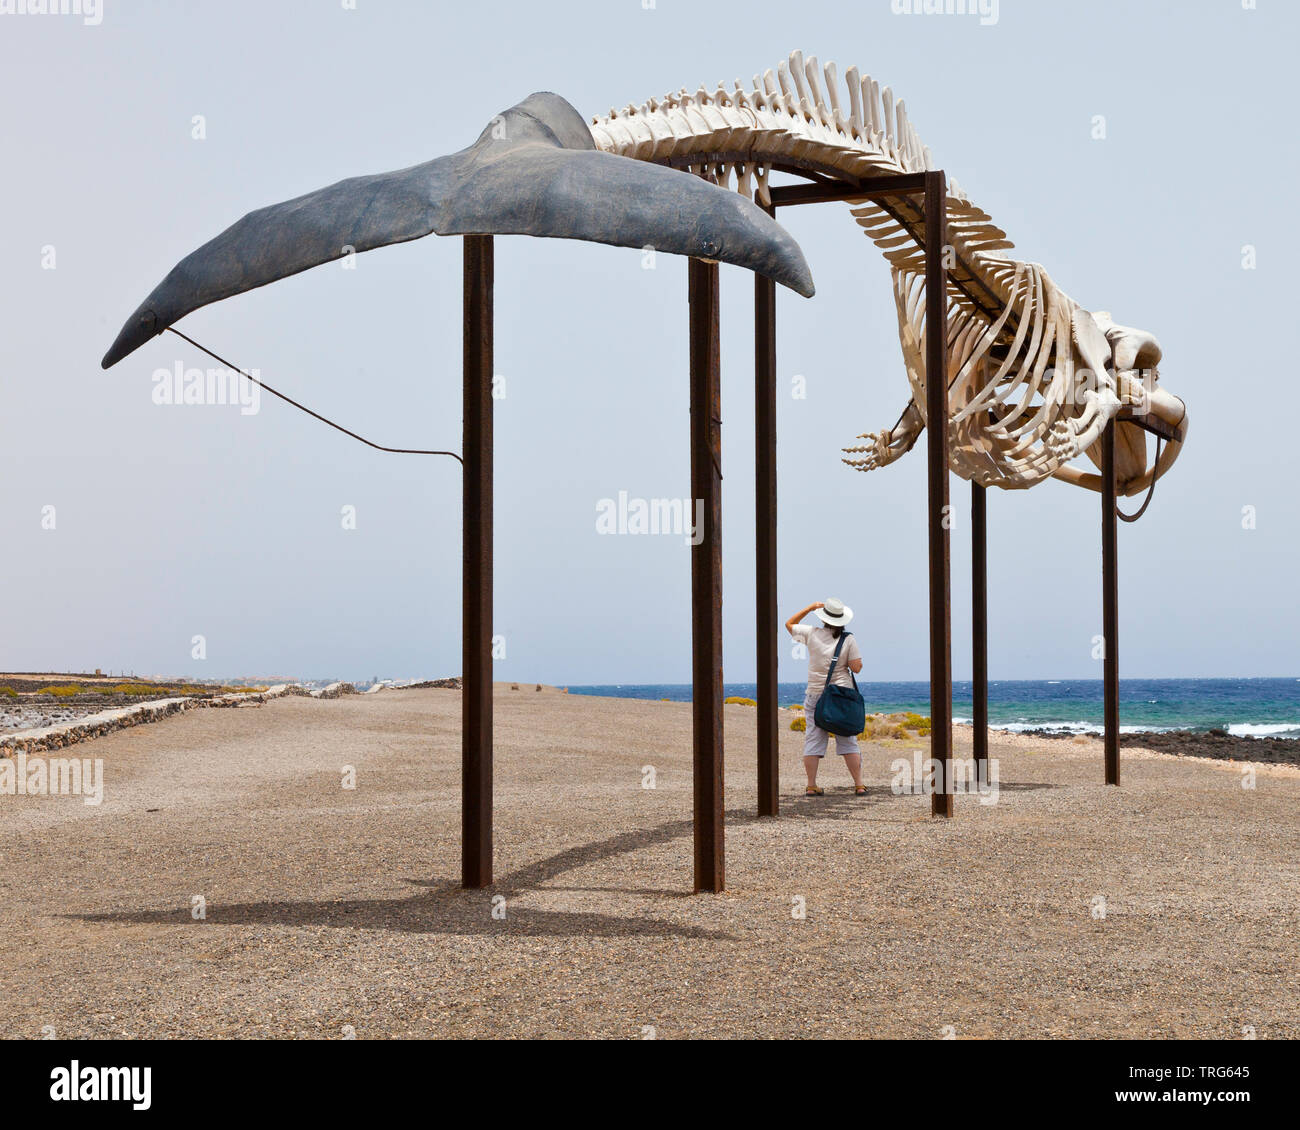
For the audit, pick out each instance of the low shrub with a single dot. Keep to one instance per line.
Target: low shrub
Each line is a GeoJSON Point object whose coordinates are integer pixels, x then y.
{"type": "Point", "coordinates": [735, 700]}
{"type": "Point", "coordinates": [65, 691]}
{"type": "Point", "coordinates": [8, 692]}
{"type": "Point", "coordinates": [875, 727]}
{"type": "Point", "coordinates": [894, 727]}
{"type": "Point", "coordinates": [164, 691]}
{"type": "Point", "coordinates": [918, 722]}
{"type": "Point", "coordinates": [800, 724]}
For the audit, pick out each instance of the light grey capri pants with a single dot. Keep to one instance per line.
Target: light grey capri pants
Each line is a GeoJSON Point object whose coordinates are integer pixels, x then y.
{"type": "Point", "coordinates": [814, 739]}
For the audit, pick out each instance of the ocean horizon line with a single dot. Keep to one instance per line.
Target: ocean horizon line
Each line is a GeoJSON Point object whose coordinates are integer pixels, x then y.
{"type": "Point", "coordinates": [1240, 707]}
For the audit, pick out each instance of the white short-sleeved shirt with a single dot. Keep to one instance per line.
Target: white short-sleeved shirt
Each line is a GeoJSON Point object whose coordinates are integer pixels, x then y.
{"type": "Point", "coordinates": [821, 642]}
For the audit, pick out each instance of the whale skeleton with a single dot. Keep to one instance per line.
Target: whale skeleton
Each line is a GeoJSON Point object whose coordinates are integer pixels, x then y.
{"type": "Point", "coordinates": [1034, 377]}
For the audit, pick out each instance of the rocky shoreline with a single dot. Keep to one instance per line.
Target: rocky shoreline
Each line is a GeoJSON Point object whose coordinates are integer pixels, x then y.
{"type": "Point", "coordinates": [1218, 745]}
{"type": "Point", "coordinates": [85, 726]}
{"type": "Point", "coordinates": [42, 722]}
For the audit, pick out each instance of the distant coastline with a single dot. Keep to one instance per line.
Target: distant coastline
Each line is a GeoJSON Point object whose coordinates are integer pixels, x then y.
{"type": "Point", "coordinates": [1256, 720]}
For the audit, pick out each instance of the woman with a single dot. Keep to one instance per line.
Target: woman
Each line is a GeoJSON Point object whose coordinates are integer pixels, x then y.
{"type": "Point", "coordinates": [821, 643]}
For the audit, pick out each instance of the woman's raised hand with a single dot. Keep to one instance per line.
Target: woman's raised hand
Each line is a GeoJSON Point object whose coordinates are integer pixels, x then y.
{"type": "Point", "coordinates": [790, 623]}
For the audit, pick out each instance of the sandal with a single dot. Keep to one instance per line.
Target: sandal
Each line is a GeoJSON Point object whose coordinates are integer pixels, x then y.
{"type": "Point", "coordinates": [860, 790]}
{"type": "Point", "coordinates": [813, 790]}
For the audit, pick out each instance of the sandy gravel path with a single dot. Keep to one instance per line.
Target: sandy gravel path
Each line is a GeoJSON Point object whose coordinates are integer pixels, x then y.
{"type": "Point", "coordinates": [332, 911]}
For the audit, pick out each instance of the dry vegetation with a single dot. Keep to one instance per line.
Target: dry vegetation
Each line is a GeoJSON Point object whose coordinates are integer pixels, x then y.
{"type": "Point", "coordinates": [879, 727]}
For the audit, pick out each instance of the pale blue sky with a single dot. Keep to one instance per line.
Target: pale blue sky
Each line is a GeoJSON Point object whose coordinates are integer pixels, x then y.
{"type": "Point", "coordinates": [177, 521]}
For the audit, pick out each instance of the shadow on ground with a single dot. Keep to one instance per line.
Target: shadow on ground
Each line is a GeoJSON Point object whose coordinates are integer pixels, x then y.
{"type": "Point", "coordinates": [444, 908]}
{"type": "Point", "coordinates": [432, 912]}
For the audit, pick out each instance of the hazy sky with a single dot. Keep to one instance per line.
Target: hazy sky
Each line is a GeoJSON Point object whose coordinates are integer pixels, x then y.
{"type": "Point", "coordinates": [177, 521]}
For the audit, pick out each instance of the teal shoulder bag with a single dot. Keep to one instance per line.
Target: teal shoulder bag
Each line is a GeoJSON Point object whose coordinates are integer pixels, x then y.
{"type": "Point", "coordinates": [840, 710]}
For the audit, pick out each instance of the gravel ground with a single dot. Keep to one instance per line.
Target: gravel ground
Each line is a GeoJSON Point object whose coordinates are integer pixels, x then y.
{"type": "Point", "coordinates": [333, 911]}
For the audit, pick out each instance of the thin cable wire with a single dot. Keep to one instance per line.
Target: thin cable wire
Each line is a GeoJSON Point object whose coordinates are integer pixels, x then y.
{"type": "Point", "coordinates": [304, 408]}
{"type": "Point", "coordinates": [1151, 490]}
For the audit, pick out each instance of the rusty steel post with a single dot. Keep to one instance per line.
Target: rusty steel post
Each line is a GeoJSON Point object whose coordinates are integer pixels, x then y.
{"type": "Point", "coordinates": [1110, 602]}
{"type": "Point", "coordinates": [979, 629]}
{"type": "Point", "coordinates": [765, 612]}
{"type": "Point", "coordinates": [706, 575]}
{"type": "Point", "coordinates": [476, 569]}
{"type": "Point", "coordinates": [936, 400]}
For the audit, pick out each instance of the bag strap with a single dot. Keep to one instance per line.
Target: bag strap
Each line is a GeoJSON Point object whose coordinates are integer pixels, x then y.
{"type": "Point", "coordinates": [851, 674]}
{"type": "Point", "coordinates": [834, 660]}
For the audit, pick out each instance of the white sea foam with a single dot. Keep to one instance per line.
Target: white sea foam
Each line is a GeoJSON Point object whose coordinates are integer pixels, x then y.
{"type": "Point", "coordinates": [1265, 730]}
{"type": "Point", "coordinates": [1237, 730]}
{"type": "Point", "coordinates": [1076, 728]}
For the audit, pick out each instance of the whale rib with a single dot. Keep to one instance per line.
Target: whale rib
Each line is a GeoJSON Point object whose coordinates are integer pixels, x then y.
{"type": "Point", "coordinates": [1035, 377]}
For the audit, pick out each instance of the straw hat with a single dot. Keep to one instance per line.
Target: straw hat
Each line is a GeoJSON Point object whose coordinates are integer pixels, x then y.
{"type": "Point", "coordinates": [834, 612]}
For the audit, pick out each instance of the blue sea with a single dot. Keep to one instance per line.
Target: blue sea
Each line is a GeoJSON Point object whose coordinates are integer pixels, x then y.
{"type": "Point", "coordinates": [1243, 707]}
